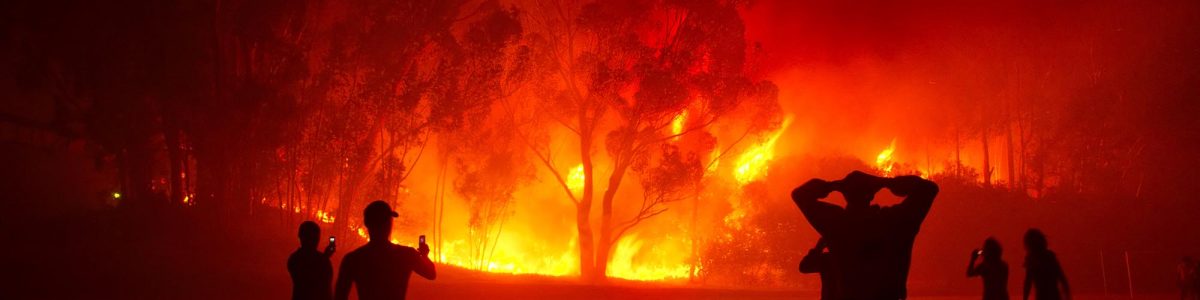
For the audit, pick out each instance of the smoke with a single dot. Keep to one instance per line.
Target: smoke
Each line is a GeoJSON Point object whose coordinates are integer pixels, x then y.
{"type": "Point", "coordinates": [1110, 84]}
{"type": "Point", "coordinates": [858, 73]}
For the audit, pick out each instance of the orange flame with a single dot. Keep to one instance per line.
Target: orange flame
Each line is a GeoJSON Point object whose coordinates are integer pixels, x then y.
{"type": "Point", "coordinates": [752, 165]}
{"type": "Point", "coordinates": [576, 178]}
{"type": "Point", "coordinates": [631, 260]}
{"type": "Point", "coordinates": [884, 161]}
{"type": "Point", "coordinates": [677, 124]}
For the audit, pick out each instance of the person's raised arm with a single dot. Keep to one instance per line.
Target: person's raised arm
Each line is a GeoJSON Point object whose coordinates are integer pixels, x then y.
{"type": "Point", "coordinates": [972, 269]}
{"type": "Point", "coordinates": [422, 265]}
{"type": "Point", "coordinates": [918, 194]}
{"type": "Point", "coordinates": [341, 290]}
{"type": "Point", "coordinates": [807, 197]}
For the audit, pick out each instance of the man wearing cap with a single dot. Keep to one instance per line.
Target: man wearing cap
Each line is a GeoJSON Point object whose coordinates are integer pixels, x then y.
{"type": "Point", "coordinates": [381, 269]}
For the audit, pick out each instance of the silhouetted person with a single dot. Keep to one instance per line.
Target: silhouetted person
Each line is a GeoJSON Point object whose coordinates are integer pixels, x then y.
{"type": "Point", "coordinates": [1195, 290]}
{"type": "Point", "coordinates": [818, 261]}
{"type": "Point", "coordinates": [311, 271]}
{"type": "Point", "coordinates": [381, 269]}
{"type": "Point", "coordinates": [1042, 271]}
{"type": "Point", "coordinates": [871, 246]}
{"type": "Point", "coordinates": [1187, 279]}
{"type": "Point", "coordinates": [993, 269]}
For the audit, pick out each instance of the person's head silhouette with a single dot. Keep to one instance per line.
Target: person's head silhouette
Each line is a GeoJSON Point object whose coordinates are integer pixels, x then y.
{"type": "Point", "coordinates": [991, 249]}
{"type": "Point", "coordinates": [859, 189]}
{"type": "Point", "coordinates": [310, 233]}
{"type": "Point", "coordinates": [378, 218]}
{"type": "Point", "coordinates": [1035, 241]}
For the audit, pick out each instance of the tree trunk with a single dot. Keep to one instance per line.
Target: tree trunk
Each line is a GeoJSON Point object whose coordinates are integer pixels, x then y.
{"type": "Point", "coordinates": [957, 153]}
{"type": "Point", "coordinates": [606, 225]}
{"type": "Point", "coordinates": [987, 166]}
{"type": "Point", "coordinates": [1012, 174]}
{"type": "Point", "coordinates": [176, 161]}
{"type": "Point", "coordinates": [583, 211]}
{"type": "Point", "coordinates": [346, 198]}
{"type": "Point", "coordinates": [1024, 154]}
{"type": "Point", "coordinates": [694, 236]}
{"type": "Point", "coordinates": [137, 162]}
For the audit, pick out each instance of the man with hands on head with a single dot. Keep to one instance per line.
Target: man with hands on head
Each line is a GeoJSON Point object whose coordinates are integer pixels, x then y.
{"type": "Point", "coordinates": [870, 246]}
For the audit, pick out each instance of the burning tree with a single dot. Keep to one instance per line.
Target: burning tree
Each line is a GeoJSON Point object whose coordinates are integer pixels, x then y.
{"type": "Point", "coordinates": [491, 164]}
{"type": "Point", "coordinates": [394, 74]}
{"type": "Point", "coordinates": [490, 161]}
{"type": "Point", "coordinates": [626, 69]}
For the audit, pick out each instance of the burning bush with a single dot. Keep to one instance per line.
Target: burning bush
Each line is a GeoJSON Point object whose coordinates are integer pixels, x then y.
{"type": "Point", "coordinates": [761, 250]}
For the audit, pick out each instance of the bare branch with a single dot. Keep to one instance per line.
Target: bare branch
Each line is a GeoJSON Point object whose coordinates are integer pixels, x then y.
{"type": "Point", "coordinates": [546, 161]}
{"type": "Point", "coordinates": [727, 148]}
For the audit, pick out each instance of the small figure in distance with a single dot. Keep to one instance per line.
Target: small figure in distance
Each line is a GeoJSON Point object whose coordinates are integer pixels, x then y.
{"type": "Point", "coordinates": [311, 271]}
{"type": "Point", "coordinates": [1195, 286]}
{"type": "Point", "coordinates": [871, 246]}
{"type": "Point", "coordinates": [1195, 290]}
{"type": "Point", "coordinates": [1187, 279]}
{"type": "Point", "coordinates": [380, 270]}
{"type": "Point", "coordinates": [818, 261]}
{"type": "Point", "coordinates": [1042, 271]}
{"type": "Point", "coordinates": [993, 269]}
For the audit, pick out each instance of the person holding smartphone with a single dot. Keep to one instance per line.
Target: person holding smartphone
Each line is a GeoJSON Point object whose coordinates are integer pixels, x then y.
{"type": "Point", "coordinates": [311, 271]}
{"type": "Point", "coordinates": [380, 269]}
{"type": "Point", "coordinates": [993, 269]}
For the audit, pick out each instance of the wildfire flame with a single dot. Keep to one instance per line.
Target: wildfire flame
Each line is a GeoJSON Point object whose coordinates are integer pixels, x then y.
{"type": "Point", "coordinates": [662, 261]}
{"type": "Point", "coordinates": [325, 216]}
{"type": "Point", "coordinates": [677, 124]}
{"type": "Point", "coordinates": [884, 161]}
{"type": "Point", "coordinates": [575, 178]}
{"type": "Point", "coordinates": [515, 253]}
{"type": "Point", "coordinates": [752, 165]}
{"type": "Point", "coordinates": [714, 159]}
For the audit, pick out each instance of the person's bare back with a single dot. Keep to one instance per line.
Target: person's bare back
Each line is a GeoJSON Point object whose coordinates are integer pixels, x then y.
{"type": "Point", "coordinates": [381, 269]}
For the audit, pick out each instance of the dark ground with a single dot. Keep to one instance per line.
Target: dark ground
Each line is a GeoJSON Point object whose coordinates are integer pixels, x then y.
{"type": "Point", "coordinates": [176, 254]}
{"type": "Point", "coordinates": [61, 241]}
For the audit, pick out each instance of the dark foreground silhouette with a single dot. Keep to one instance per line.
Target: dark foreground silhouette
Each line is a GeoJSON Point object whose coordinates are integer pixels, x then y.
{"type": "Point", "coordinates": [380, 269]}
{"type": "Point", "coordinates": [1189, 279]}
{"type": "Point", "coordinates": [871, 246]}
{"type": "Point", "coordinates": [1043, 274]}
{"type": "Point", "coordinates": [311, 271]}
{"type": "Point", "coordinates": [993, 269]}
{"type": "Point", "coordinates": [818, 261]}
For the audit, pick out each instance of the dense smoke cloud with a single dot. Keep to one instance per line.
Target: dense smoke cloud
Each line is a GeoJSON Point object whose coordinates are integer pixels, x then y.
{"type": "Point", "coordinates": [859, 73]}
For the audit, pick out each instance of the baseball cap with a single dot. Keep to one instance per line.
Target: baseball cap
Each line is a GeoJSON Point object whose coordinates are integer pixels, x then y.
{"type": "Point", "coordinates": [378, 210]}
